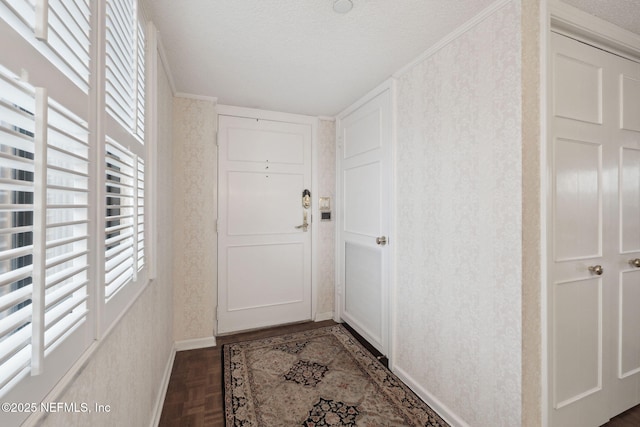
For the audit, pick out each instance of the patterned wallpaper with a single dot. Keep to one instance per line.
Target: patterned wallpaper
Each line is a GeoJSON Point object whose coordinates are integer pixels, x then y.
{"type": "Point", "coordinates": [327, 241]}
{"type": "Point", "coordinates": [195, 273]}
{"type": "Point", "coordinates": [126, 371]}
{"type": "Point", "coordinates": [459, 226]}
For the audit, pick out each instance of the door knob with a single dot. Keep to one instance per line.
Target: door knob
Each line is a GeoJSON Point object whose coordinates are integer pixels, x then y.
{"type": "Point", "coordinates": [635, 262]}
{"type": "Point", "coordinates": [382, 240]}
{"type": "Point", "coordinates": [596, 269]}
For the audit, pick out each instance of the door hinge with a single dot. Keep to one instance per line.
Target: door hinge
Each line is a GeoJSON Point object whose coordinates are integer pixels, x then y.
{"type": "Point", "coordinates": [217, 313]}
{"type": "Point", "coordinates": [215, 226]}
{"type": "Point", "coordinates": [215, 136]}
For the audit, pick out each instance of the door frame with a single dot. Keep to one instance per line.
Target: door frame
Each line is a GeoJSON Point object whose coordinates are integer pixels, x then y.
{"type": "Point", "coordinates": [254, 113]}
{"type": "Point", "coordinates": [390, 294]}
{"type": "Point", "coordinates": [574, 23]}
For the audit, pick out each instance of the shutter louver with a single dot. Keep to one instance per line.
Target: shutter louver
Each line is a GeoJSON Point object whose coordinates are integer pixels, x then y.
{"type": "Point", "coordinates": [121, 57]}
{"type": "Point", "coordinates": [25, 10]}
{"type": "Point", "coordinates": [140, 214]}
{"type": "Point", "coordinates": [67, 231]}
{"type": "Point", "coordinates": [17, 147]}
{"type": "Point", "coordinates": [69, 34]}
{"type": "Point", "coordinates": [63, 248]}
{"type": "Point", "coordinates": [120, 218]}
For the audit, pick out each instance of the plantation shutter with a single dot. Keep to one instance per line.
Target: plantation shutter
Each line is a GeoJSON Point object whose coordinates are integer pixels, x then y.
{"type": "Point", "coordinates": [140, 82]}
{"type": "Point", "coordinates": [64, 27]}
{"type": "Point", "coordinates": [122, 219]}
{"type": "Point", "coordinates": [25, 10]}
{"type": "Point", "coordinates": [69, 34]}
{"type": "Point", "coordinates": [121, 51]}
{"type": "Point", "coordinates": [17, 167]}
{"type": "Point", "coordinates": [67, 224]}
{"type": "Point", "coordinates": [44, 188]}
{"type": "Point", "coordinates": [140, 215]}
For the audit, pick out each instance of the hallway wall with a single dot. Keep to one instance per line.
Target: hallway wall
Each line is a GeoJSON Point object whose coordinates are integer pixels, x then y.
{"type": "Point", "coordinates": [459, 227]}
{"type": "Point", "coordinates": [194, 215]}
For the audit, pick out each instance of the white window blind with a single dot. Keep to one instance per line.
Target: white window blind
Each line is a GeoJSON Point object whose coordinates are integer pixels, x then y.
{"type": "Point", "coordinates": [124, 230]}
{"type": "Point", "coordinates": [44, 235]}
{"type": "Point", "coordinates": [25, 10]}
{"type": "Point", "coordinates": [140, 80]}
{"type": "Point", "coordinates": [140, 215]}
{"type": "Point", "coordinates": [69, 33]}
{"type": "Point", "coordinates": [121, 48]}
{"type": "Point", "coordinates": [63, 27]}
{"type": "Point", "coordinates": [17, 167]}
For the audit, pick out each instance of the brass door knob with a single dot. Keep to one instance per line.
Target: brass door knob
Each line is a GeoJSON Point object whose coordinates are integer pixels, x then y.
{"type": "Point", "coordinates": [382, 240]}
{"type": "Point", "coordinates": [635, 262]}
{"type": "Point", "coordinates": [596, 269]}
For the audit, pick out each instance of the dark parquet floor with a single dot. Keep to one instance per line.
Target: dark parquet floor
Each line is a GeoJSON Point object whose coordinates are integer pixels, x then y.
{"type": "Point", "coordinates": [195, 392]}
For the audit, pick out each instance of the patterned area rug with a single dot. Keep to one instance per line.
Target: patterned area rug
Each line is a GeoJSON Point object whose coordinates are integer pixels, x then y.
{"type": "Point", "coordinates": [321, 377]}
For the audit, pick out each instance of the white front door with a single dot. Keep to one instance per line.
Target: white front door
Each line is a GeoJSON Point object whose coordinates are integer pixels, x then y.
{"type": "Point", "coordinates": [594, 213]}
{"type": "Point", "coordinates": [364, 147]}
{"type": "Point", "coordinates": [264, 256]}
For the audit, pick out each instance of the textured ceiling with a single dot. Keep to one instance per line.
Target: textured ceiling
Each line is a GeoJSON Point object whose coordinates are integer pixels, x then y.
{"type": "Point", "coordinates": [298, 56]}
{"type": "Point", "coordinates": [623, 13]}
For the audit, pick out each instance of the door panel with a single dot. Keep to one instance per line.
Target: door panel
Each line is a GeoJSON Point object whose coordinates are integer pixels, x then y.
{"type": "Point", "coordinates": [578, 89]}
{"type": "Point", "coordinates": [262, 203]}
{"type": "Point", "coordinates": [363, 301]}
{"type": "Point", "coordinates": [264, 261]}
{"type": "Point", "coordinates": [630, 200]}
{"type": "Point", "coordinates": [577, 340]}
{"type": "Point", "coordinates": [629, 324]}
{"type": "Point", "coordinates": [578, 171]}
{"type": "Point", "coordinates": [630, 91]}
{"type": "Point", "coordinates": [364, 138]}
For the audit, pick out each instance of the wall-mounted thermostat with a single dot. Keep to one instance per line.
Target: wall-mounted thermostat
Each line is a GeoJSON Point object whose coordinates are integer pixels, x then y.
{"type": "Point", "coordinates": [325, 208]}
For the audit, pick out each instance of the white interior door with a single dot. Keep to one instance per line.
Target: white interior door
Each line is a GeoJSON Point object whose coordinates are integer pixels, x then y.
{"type": "Point", "coordinates": [264, 260]}
{"type": "Point", "coordinates": [593, 289]}
{"type": "Point", "coordinates": [364, 140]}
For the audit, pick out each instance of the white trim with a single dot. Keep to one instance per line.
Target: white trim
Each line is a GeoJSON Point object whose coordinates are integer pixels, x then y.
{"type": "Point", "coordinates": [211, 99]}
{"type": "Point", "coordinates": [164, 385]}
{"type": "Point", "coordinates": [443, 410]}
{"type": "Point", "coordinates": [393, 202]}
{"type": "Point", "coordinates": [544, 176]}
{"type": "Point", "coordinates": [315, 218]}
{"type": "Point", "coordinates": [323, 316]}
{"type": "Point", "coordinates": [151, 148]}
{"type": "Point", "coordinates": [580, 25]}
{"type": "Point", "coordinates": [470, 24]}
{"type": "Point", "coordinates": [195, 343]}
{"type": "Point", "coordinates": [165, 62]}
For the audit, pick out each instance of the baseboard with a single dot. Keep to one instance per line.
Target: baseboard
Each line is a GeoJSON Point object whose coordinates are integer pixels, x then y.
{"type": "Point", "coordinates": [195, 343]}
{"type": "Point", "coordinates": [157, 410]}
{"type": "Point", "coordinates": [443, 410]}
{"type": "Point", "coordinates": [324, 316]}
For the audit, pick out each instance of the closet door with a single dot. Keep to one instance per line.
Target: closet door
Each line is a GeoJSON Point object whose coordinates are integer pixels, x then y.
{"type": "Point", "coordinates": [594, 201]}
{"type": "Point", "coordinates": [364, 138]}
